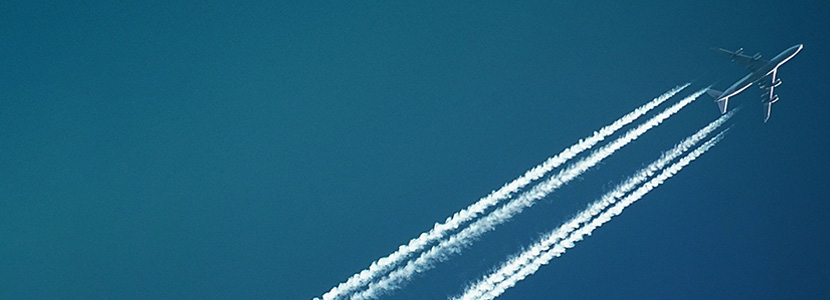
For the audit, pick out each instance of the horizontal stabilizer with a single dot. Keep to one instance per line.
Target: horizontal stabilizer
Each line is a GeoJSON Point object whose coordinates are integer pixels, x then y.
{"type": "Point", "coordinates": [721, 102]}
{"type": "Point", "coordinates": [722, 105]}
{"type": "Point", "coordinates": [714, 93]}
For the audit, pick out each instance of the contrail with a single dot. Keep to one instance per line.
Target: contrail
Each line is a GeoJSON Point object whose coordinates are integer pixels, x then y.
{"type": "Point", "coordinates": [383, 265]}
{"type": "Point", "coordinates": [515, 264]}
{"type": "Point", "coordinates": [455, 243]}
{"type": "Point", "coordinates": [560, 247]}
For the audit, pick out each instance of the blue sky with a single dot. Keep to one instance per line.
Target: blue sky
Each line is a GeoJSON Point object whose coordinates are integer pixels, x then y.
{"type": "Point", "coordinates": [270, 150]}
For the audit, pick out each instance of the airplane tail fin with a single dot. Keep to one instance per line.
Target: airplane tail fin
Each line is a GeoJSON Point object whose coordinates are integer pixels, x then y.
{"type": "Point", "coordinates": [721, 102]}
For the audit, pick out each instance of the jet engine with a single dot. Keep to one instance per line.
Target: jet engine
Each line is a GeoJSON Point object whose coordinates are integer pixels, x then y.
{"type": "Point", "coordinates": [777, 82]}
{"type": "Point", "coordinates": [738, 52]}
{"type": "Point", "coordinates": [774, 84]}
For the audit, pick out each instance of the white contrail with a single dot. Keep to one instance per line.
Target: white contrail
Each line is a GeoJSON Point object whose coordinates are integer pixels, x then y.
{"type": "Point", "coordinates": [518, 262]}
{"type": "Point", "coordinates": [456, 242]}
{"type": "Point", "coordinates": [560, 247]}
{"type": "Point", "coordinates": [383, 265]}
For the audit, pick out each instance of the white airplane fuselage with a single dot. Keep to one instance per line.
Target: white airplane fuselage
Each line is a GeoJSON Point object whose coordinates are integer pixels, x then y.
{"type": "Point", "coordinates": [767, 69]}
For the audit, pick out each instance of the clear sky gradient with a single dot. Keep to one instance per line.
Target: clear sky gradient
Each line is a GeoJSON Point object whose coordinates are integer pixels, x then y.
{"type": "Point", "coordinates": [271, 149]}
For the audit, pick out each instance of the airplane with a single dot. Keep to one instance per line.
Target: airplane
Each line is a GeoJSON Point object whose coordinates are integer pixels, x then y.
{"type": "Point", "coordinates": [758, 69]}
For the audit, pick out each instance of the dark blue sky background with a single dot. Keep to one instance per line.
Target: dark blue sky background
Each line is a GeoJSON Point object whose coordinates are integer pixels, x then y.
{"type": "Point", "coordinates": [271, 150]}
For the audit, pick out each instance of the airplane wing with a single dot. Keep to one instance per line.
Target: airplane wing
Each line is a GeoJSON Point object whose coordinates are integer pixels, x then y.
{"type": "Point", "coordinates": [767, 106]}
{"type": "Point", "coordinates": [751, 63]}
{"type": "Point", "coordinates": [768, 96]}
